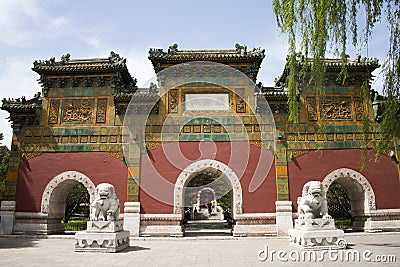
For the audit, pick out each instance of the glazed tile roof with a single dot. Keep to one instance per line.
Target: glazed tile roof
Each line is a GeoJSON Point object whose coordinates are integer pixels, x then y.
{"type": "Point", "coordinates": [173, 54]}
{"type": "Point", "coordinates": [94, 65]}
{"type": "Point", "coordinates": [274, 93]}
{"type": "Point", "coordinates": [141, 93]}
{"type": "Point", "coordinates": [21, 104]}
{"type": "Point", "coordinates": [335, 64]}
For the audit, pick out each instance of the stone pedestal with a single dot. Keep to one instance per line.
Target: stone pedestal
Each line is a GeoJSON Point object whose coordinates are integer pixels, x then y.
{"type": "Point", "coordinates": [316, 234]}
{"type": "Point", "coordinates": [323, 239]}
{"type": "Point", "coordinates": [7, 214]}
{"type": "Point", "coordinates": [132, 217]}
{"type": "Point", "coordinates": [102, 236]}
{"type": "Point", "coordinates": [284, 220]}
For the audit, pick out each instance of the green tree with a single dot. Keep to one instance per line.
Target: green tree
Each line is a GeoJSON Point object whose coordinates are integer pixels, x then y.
{"type": "Point", "coordinates": [339, 206]}
{"type": "Point", "coordinates": [313, 26]}
{"type": "Point", "coordinates": [77, 202]}
{"type": "Point", "coordinates": [4, 158]}
{"type": "Point", "coordinates": [338, 199]}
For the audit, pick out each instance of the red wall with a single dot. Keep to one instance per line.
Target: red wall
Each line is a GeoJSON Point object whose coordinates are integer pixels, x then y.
{"type": "Point", "coordinates": [316, 165]}
{"type": "Point", "coordinates": [162, 166]}
{"type": "Point", "coordinates": [36, 173]}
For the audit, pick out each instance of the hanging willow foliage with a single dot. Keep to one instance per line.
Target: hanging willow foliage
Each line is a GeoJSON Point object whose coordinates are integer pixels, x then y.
{"type": "Point", "coordinates": [314, 25]}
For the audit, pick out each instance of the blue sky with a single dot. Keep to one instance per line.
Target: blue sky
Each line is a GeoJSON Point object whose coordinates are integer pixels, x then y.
{"type": "Point", "coordinates": [40, 29]}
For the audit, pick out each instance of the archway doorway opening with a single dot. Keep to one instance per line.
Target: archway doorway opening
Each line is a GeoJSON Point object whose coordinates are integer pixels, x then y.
{"type": "Point", "coordinates": [360, 194]}
{"type": "Point", "coordinates": [77, 209]}
{"type": "Point", "coordinates": [339, 206]}
{"type": "Point", "coordinates": [55, 195]}
{"type": "Point", "coordinates": [208, 204]}
{"type": "Point", "coordinates": [209, 168]}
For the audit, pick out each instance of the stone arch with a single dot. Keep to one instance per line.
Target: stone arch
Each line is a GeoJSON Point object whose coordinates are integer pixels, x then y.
{"type": "Point", "coordinates": [208, 165]}
{"type": "Point", "coordinates": [360, 191]}
{"type": "Point", "coordinates": [199, 196]}
{"type": "Point", "coordinates": [56, 191]}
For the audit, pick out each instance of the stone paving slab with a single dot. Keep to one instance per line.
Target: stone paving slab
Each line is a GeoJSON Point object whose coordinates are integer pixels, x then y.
{"type": "Point", "coordinates": [201, 251]}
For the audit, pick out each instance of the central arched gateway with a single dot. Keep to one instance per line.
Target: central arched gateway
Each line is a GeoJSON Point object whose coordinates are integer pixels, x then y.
{"type": "Point", "coordinates": [211, 166]}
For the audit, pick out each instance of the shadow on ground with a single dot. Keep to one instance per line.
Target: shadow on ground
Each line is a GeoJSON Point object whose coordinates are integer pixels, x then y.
{"type": "Point", "coordinates": [133, 248]}
{"type": "Point", "coordinates": [18, 242]}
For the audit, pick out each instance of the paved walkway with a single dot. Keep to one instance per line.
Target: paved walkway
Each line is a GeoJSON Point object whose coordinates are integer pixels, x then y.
{"type": "Point", "coordinates": [201, 251]}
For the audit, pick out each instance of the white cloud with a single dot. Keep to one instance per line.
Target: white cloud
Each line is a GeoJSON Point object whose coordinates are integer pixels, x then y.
{"type": "Point", "coordinates": [139, 65]}
{"type": "Point", "coordinates": [25, 22]}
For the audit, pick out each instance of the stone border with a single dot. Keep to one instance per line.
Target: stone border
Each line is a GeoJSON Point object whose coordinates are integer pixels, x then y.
{"type": "Point", "coordinates": [59, 179]}
{"type": "Point", "coordinates": [368, 192]}
{"type": "Point", "coordinates": [202, 165]}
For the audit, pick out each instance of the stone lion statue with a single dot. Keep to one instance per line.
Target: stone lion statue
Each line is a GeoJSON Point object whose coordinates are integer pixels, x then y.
{"type": "Point", "coordinates": [105, 206]}
{"type": "Point", "coordinates": [312, 204]}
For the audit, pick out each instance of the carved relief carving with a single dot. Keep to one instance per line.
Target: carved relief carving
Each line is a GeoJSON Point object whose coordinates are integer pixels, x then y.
{"type": "Point", "coordinates": [298, 153]}
{"type": "Point", "coordinates": [116, 154]}
{"type": "Point", "coordinates": [240, 103]}
{"type": "Point", "coordinates": [54, 111]}
{"type": "Point", "coordinates": [359, 108]}
{"type": "Point", "coordinates": [32, 154]}
{"type": "Point", "coordinates": [173, 101]}
{"type": "Point", "coordinates": [152, 145]}
{"type": "Point", "coordinates": [312, 109]}
{"type": "Point", "coordinates": [77, 111]}
{"type": "Point", "coordinates": [336, 108]}
{"type": "Point", "coordinates": [101, 110]}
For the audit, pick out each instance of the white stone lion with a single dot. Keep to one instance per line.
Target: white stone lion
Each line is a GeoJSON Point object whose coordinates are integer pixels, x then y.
{"type": "Point", "coordinates": [312, 204]}
{"type": "Point", "coordinates": [105, 206]}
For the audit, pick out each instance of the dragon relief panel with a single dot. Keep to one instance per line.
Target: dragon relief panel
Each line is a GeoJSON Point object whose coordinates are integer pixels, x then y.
{"type": "Point", "coordinates": [336, 108]}
{"type": "Point", "coordinates": [54, 111]}
{"type": "Point", "coordinates": [78, 111]}
{"type": "Point", "coordinates": [101, 114]}
{"type": "Point", "coordinates": [311, 109]}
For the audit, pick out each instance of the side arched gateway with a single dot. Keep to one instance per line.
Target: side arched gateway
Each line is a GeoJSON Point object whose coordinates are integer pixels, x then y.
{"type": "Point", "coordinates": [56, 191]}
{"type": "Point", "coordinates": [360, 192]}
{"type": "Point", "coordinates": [208, 165]}
{"type": "Point", "coordinates": [359, 189]}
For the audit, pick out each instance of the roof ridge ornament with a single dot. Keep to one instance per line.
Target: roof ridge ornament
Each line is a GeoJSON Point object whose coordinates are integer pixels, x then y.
{"type": "Point", "coordinates": [49, 62]}
{"type": "Point", "coordinates": [65, 58]}
{"type": "Point", "coordinates": [173, 49]}
{"type": "Point", "coordinates": [116, 58]}
{"type": "Point", "coordinates": [241, 49]}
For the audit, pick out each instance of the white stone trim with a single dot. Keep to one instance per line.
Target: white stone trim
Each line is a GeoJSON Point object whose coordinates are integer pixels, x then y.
{"type": "Point", "coordinates": [202, 165]}
{"type": "Point", "coordinates": [161, 217]}
{"type": "Point", "coordinates": [369, 195]}
{"type": "Point", "coordinates": [56, 181]}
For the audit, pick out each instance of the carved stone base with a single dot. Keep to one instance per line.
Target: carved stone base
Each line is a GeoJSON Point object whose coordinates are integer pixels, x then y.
{"type": "Point", "coordinates": [104, 226]}
{"type": "Point", "coordinates": [284, 220]}
{"type": "Point", "coordinates": [102, 236]}
{"type": "Point", "coordinates": [317, 240]}
{"type": "Point", "coordinates": [315, 224]}
{"type": "Point", "coordinates": [255, 224]}
{"type": "Point", "coordinates": [254, 230]}
{"type": "Point", "coordinates": [37, 223]}
{"type": "Point", "coordinates": [7, 213]}
{"type": "Point", "coordinates": [161, 225]}
{"type": "Point", "coordinates": [101, 242]}
{"type": "Point", "coordinates": [161, 231]}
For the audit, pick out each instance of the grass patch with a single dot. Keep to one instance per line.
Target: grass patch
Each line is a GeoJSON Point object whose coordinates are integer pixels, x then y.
{"type": "Point", "coordinates": [75, 225]}
{"type": "Point", "coordinates": [343, 223]}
